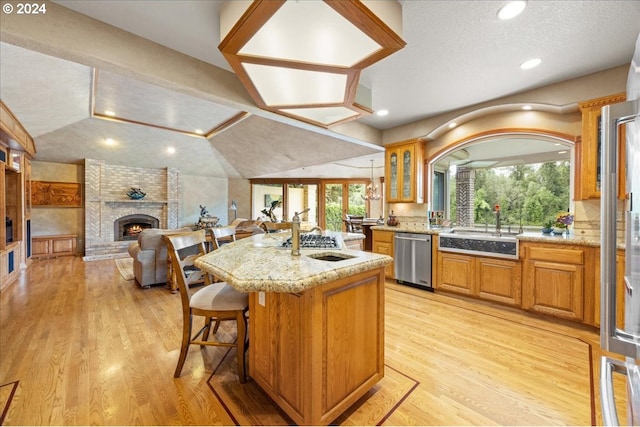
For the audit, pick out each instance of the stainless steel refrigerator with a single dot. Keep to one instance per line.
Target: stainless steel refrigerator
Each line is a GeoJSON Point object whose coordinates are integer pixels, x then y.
{"type": "Point", "coordinates": [623, 340]}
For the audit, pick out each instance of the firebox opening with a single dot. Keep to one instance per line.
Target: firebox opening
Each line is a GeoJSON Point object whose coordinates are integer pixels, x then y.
{"type": "Point", "coordinates": [128, 227]}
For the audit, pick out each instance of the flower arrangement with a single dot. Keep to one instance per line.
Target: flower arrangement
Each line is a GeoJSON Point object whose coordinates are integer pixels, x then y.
{"type": "Point", "coordinates": [564, 219]}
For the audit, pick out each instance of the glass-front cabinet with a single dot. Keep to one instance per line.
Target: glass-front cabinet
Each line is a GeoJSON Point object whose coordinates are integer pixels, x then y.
{"type": "Point", "coordinates": [590, 151]}
{"type": "Point", "coordinates": [404, 172]}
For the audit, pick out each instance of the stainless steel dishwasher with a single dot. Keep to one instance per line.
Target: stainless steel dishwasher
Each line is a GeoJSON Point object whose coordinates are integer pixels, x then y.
{"type": "Point", "coordinates": [412, 259]}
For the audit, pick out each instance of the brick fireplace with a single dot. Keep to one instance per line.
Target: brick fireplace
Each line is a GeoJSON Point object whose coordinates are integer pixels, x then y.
{"type": "Point", "coordinates": [129, 226]}
{"type": "Point", "coordinates": [106, 203]}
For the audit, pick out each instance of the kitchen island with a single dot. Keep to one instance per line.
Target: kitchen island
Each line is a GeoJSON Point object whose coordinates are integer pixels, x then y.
{"type": "Point", "coordinates": [316, 328]}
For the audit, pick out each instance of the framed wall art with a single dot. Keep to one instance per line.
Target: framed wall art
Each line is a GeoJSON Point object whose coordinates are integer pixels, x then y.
{"type": "Point", "coordinates": [56, 194]}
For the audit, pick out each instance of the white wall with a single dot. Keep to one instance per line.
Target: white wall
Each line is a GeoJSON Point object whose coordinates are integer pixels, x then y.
{"type": "Point", "coordinates": [205, 191]}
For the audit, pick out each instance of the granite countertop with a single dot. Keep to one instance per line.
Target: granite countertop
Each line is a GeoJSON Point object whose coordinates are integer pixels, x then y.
{"type": "Point", "coordinates": [257, 263]}
{"type": "Point", "coordinates": [523, 237]}
{"type": "Point", "coordinates": [352, 236]}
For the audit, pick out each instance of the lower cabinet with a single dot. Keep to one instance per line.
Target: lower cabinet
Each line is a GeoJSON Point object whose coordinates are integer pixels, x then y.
{"type": "Point", "coordinates": [52, 246]}
{"type": "Point", "coordinates": [455, 273]}
{"type": "Point", "coordinates": [555, 281]}
{"type": "Point", "coordinates": [562, 281]}
{"type": "Point", "coordinates": [316, 352]}
{"type": "Point", "coordinates": [9, 263]}
{"type": "Point", "coordinates": [383, 244]}
{"type": "Point", "coordinates": [499, 280]}
{"type": "Point", "coordinates": [486, 278]}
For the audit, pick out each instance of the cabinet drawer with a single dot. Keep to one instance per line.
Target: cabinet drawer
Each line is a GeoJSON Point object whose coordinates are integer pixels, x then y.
{"type": "Point", "coordinates": [383, 236]}
{"type": "Point", "coordinates": [565, 256]}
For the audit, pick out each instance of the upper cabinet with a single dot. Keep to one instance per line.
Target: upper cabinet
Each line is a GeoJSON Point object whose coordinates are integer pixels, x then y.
{"type": "Point", "coordinates": [404, 172]}
{"type": "Point", "coordinates": [590, 152]}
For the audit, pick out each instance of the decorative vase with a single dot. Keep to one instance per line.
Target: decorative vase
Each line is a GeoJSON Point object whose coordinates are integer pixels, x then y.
{"type": "Point", "coordinates": [136, 193]}
{"type": "Point", "coordinates": [392, 221]}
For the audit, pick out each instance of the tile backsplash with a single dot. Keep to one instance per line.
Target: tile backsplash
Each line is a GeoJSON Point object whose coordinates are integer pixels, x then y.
{"type": "Point", "coordinates": [587, 219]}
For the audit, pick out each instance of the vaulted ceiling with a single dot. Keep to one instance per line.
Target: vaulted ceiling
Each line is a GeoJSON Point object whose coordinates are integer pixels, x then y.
{"type": "Point", "coordinates": [457, 54]}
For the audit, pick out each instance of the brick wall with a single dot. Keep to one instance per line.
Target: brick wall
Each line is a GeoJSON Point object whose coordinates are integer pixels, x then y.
{"type": "Point", "coordinates": [106, 201]}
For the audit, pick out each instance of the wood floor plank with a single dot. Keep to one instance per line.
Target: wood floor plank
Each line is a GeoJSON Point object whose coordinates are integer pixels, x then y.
{"type": "Point", "coordinates": [91, 348]}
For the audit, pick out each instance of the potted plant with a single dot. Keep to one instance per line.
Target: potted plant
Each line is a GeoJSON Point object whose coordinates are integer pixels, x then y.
{"type": "Point", "coordinates": [563, 221]}
{"type": "Point", "coordinates": [548, 227]}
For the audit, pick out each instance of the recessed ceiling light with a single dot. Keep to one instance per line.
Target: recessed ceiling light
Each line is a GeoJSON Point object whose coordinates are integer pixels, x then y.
{"type": "Point", "coordinates": [109, 141]}
{"type": "Point", "coordinates": [530, 63]}
{"type": "Point", "coordinates": [109, 113]}
{"type": "Point", "coordinates": [171, 150]}
{"type": "Point", "coordinates": [452, 125]}
{"type": "Point", "coordinates": [527, 107]}
{"type": "Point", "coordinates": [562, 152]}
{"type": "Point", "coordinates": [382, 113]}
{"type": "Point", "coordinates": [199, 131]}
{"type": "Point", "coordinates": [511, 9]}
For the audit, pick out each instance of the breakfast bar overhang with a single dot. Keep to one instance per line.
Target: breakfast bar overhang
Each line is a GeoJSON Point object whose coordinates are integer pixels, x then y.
{"type": "Point", "coordinates": [316, 327]}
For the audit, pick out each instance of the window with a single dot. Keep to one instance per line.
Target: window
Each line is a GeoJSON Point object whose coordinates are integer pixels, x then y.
{"type": "Point", "coordinates": [328, 201]}
{"type": "Point", "coordinates": [283, 200]}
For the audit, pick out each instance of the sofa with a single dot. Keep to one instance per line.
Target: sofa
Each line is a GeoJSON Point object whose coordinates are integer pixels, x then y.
{"type": "Point", "coordinates": [149, 253]}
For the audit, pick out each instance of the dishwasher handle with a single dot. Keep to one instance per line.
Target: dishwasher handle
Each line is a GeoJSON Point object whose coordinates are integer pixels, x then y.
{"type": "Point", "coordinates": [417, 239]}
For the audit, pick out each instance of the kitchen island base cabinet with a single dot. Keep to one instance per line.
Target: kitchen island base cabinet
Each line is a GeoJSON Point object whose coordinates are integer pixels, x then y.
{"type": "Point", "coordinates": [317, 352]}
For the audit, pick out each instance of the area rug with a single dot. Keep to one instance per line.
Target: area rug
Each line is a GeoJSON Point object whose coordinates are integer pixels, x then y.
{"type": "Point", "coordinates": [125, 267]}
{"type": "Point", "coordinates": [247, 404]}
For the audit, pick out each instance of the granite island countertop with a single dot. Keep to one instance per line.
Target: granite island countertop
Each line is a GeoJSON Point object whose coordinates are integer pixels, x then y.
{"type": "Point", "coordinates": [259, 264]}
{"type": "Point", "coordinates": [527, 236]}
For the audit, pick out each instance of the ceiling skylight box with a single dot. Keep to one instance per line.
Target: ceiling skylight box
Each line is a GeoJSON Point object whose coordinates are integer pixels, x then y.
{"type": "Point", "coordinates": [303, 59]}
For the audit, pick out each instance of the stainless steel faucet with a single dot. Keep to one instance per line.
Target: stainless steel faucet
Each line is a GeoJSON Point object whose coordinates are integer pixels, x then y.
{"type": "Point", "coordinates": [295, 232]}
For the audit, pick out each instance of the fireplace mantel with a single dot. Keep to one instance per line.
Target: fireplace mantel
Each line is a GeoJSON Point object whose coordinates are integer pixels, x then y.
{"type": "Point", "coordinates": [141, 202]}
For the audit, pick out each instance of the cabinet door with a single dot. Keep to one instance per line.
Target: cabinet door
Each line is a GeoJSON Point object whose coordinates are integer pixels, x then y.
{"type": "Point", "coordinates": [393, 176]}
{"type": "Point", "coordinates": [41, 247]}
{"type": "Point", "coordinates": [383, 244]}
{"type": "Point", "coordinates": [555, 289]}
{"type": "Point", "coordinates": [403, 172]}
{"type": "Point", "coordinates": [590, 149]}
{"type": "Point", "coordinates": [499, 280]}
{"type": "Point", "coordinates": [455, 273]}
{"type": "Point", "coordinates": [64, 246]}
{"type": "Point", "coordinates": [408, 186]}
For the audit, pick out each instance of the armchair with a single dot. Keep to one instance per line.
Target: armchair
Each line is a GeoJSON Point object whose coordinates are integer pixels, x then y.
{"type": "Point", "coordinates": [149, 255]}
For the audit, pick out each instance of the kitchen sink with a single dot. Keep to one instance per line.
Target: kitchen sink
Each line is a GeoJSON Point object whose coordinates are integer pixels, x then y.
{"type": "Point", "coordinates": [477, 242]}
{"type": "Point", "coordinates": [331, 256]}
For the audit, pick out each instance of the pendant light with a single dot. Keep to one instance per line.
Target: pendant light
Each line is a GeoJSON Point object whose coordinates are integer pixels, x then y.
{"type": "Point", "coordinates": [371, 193]}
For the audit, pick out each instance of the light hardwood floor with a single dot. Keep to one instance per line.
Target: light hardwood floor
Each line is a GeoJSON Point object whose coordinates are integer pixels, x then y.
{"type": "Point", "coordinates": [79, 345]}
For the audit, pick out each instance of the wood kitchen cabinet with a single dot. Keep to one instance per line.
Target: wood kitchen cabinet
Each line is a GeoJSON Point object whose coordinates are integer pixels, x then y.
{"type": "Point", "coordinates": [456, 273]}
{"type": "Point", "coordinates": [499, 280]}
{"type": "Point", "coordinates": [383, 244]}
{"type": "Point", "coordinates": [316, 352]}
{"type": "Point", "coordinates": [404, 172]}
{"type": "Point", "coordinates": [486, 278]}
{"type": "Point", "coordinates": [555, 281]}
{"type": "Point", "coordinates": [588, 154]}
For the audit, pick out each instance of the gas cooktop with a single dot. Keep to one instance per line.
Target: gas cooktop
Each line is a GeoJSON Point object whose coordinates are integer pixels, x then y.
{"type": "Point", "coordinates": [315, 241]}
